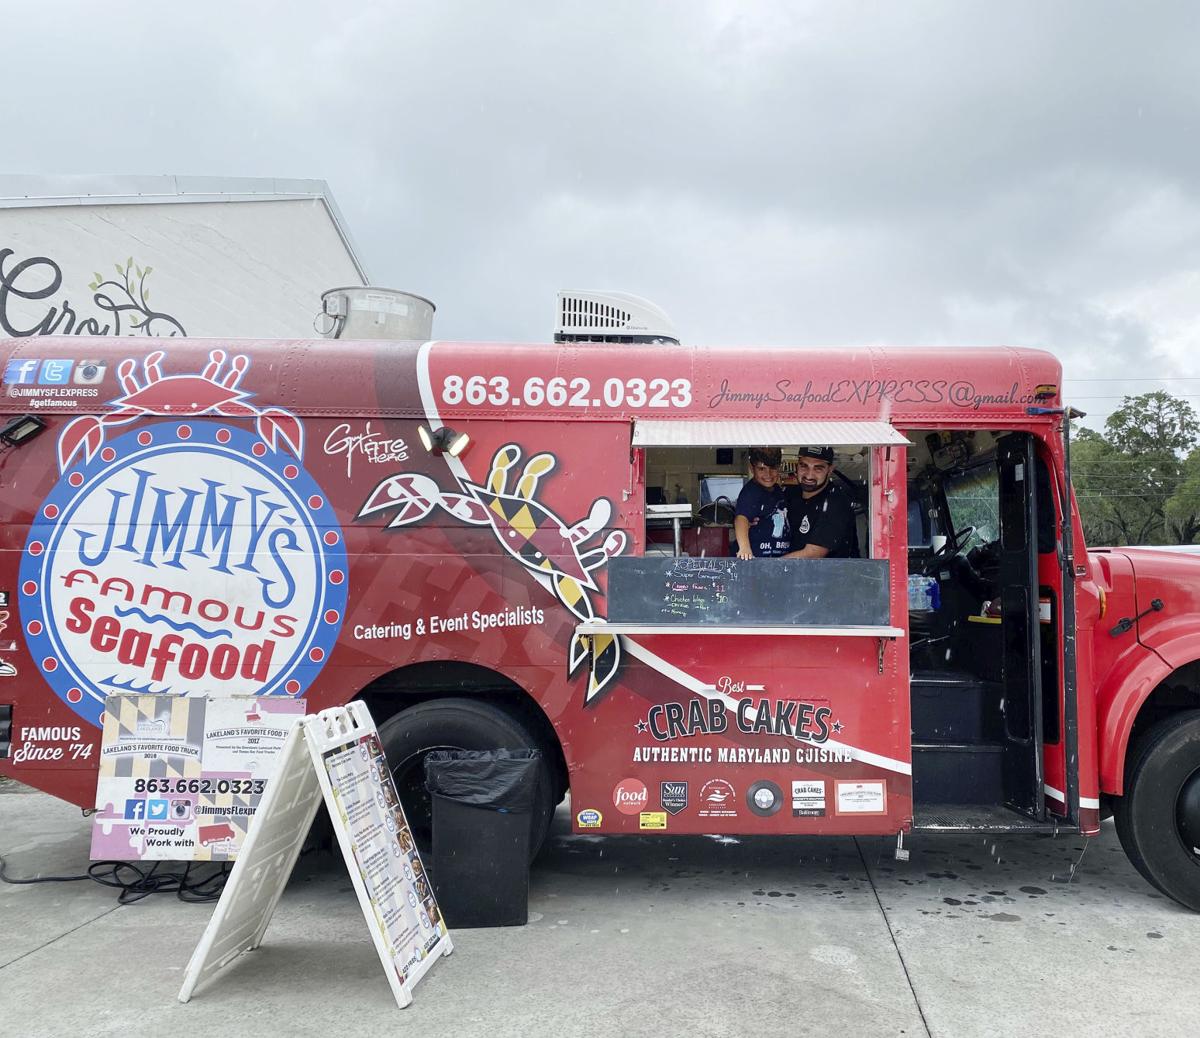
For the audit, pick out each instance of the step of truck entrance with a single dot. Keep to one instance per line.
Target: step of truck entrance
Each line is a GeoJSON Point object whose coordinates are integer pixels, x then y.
{"type": "Point", "coordinates": [958, 773]}
{"type": "Point", "coordinates": [955, 707]}
{"type": "Point", "coordinates": [979, 818]}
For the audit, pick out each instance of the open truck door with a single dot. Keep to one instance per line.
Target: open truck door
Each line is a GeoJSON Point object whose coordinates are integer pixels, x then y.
{"type": "Point", "coordinates": [1022, 667]}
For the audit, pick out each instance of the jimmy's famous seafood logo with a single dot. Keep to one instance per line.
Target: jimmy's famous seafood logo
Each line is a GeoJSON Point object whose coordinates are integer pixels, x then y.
{"type": "Point", "coordinates": [186, 557]}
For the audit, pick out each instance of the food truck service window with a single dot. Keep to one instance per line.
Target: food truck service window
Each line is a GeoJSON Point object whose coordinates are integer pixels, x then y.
{"type": "Point", "coordinates": [687, 575]}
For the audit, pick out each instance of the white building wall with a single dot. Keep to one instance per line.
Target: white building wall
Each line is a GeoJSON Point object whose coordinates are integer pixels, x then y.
{"type": "Point", "coordinates": [212, 268]}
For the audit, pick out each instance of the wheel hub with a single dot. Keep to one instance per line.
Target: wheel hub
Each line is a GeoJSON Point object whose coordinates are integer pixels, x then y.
{"type": "Point", "coordinates": [1187, 812]}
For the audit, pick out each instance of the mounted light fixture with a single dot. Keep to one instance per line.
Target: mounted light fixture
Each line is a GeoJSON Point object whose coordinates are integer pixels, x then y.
{"type": "Point", "coordinates": [22, 428]}
{"type": "Point", "coordinates": [443, 440]}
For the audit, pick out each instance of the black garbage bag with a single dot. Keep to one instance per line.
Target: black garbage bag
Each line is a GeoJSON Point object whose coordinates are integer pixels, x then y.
{"type": "Point", "coordinates": [496, 780]}
{"type": "Point", "coordinates": [482, 802]}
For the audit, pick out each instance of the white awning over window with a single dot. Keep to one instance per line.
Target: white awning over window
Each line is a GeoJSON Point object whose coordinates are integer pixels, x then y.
{"type": "Point", "coordinates": [657, 432]}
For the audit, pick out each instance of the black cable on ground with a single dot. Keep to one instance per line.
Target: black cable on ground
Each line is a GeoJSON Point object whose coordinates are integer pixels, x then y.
{"type": "Point", "coordinates": [135, 882]}
{"type": "Point", "coordinates": [193, 884]}
{"type": "Point", "coordinates": [5, 878]}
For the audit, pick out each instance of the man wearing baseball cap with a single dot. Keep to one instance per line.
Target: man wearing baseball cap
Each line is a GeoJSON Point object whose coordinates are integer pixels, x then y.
{"type": "Point", "coordinates": [820, 515]}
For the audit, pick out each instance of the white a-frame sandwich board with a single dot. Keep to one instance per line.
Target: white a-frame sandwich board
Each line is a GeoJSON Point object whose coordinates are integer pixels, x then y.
{"type": "Point", "coordinates": [336, 755]}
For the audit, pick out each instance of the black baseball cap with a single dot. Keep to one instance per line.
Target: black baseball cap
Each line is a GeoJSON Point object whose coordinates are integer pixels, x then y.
{"type": "Point", "coordinates": [824, 454]}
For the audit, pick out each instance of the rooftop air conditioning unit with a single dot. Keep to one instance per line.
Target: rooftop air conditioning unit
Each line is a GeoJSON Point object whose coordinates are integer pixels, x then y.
{"type": "Point", "coordinates": [610, 317]}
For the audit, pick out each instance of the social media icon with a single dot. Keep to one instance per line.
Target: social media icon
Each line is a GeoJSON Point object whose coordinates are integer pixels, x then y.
{"type": "Point", "coordinates": [89, 372]}
{"type": "Point", "coordinates": [135, 809]}
{"type": "Point", "coordinates": [156, 810]}
{"type": "Point", "coordinates": [55, 372]}
{"type": "Point", "coordinates": [21, 372]}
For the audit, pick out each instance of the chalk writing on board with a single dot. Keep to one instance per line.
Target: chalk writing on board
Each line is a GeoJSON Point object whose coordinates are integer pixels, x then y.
{"type": "Point", "coordinates": [754, 592]}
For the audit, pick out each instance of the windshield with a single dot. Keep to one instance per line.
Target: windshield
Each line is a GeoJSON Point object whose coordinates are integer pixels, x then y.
{"type": "Point", "coordinates": [973, 497]}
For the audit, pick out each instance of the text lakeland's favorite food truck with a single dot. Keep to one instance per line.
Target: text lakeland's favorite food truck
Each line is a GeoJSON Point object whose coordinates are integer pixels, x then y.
{"type": "Point", "coordinates": [483, 542]}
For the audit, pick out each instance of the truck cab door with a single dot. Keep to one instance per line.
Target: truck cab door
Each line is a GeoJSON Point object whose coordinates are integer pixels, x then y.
{"type": "Point", "coordinates": [1022, 666]}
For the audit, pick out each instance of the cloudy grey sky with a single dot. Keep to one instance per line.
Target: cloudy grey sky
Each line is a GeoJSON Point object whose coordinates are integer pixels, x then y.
{"type": "Point", "coordinates": [838, 172]}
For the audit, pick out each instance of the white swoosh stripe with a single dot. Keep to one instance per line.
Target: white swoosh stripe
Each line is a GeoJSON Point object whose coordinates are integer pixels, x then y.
{"type": "Point", "coordinates": [681, 677]}
{"type": "Point", "coordinates": [429, 402]}
{"type": "Point", "coordinates": [1061, 797]}
{"type": "Point", "coordinates": [457, 468]}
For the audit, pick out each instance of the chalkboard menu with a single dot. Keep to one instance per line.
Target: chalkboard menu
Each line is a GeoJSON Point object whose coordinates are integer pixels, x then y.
{"type": "Point", "coordinates": [749, 592]}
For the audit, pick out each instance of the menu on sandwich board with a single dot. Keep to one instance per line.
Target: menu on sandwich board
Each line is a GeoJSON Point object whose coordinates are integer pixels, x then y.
{"type": "Point", "coordinates": [337, 757]}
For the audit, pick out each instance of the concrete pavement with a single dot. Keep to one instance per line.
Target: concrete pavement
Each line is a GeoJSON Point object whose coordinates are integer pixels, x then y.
{"type": "Point", "coordinates": [634, 936]}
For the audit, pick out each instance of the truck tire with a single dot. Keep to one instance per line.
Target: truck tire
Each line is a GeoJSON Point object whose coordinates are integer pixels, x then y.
{"type": "Point", "coordinates": [457, 724]}
{"type": "Point", "coordinates": [1158, 818]}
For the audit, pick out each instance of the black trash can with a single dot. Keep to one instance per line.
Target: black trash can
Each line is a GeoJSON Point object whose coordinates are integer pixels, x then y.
{"type": "Point", "coordinates": [482, 803]}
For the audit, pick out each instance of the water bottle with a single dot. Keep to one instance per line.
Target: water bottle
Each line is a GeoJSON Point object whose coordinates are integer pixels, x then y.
{"type": "Point", "coordinates": [923, 593]}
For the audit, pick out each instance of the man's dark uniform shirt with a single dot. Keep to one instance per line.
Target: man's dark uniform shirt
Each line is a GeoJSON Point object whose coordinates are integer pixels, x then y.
{"type": "Point", "coordinates": [826, 519]}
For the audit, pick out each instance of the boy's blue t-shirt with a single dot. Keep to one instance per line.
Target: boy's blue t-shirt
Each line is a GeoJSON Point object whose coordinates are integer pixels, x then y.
{"type": "Point", "coordinates": [770, 535]}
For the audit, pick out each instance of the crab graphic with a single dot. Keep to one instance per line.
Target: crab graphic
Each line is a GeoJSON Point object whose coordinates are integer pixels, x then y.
{"type": "Point", "coordinates": [532, 534]}
{"type": "Point", "coordinates": [178, 395]}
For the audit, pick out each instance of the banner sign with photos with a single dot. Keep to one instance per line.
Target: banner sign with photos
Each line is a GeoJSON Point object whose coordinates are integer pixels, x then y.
{"type": "Point", "coordinates": [182, 776]}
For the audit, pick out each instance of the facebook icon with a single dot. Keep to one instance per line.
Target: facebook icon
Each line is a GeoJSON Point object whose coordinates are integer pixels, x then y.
{"type": "Point", "coordinates": [135, 809]}
{"type": "Point", "coordinates": [20, 372]}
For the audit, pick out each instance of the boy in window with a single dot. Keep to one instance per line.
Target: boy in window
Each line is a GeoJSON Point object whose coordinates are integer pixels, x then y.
{"type": "Point", "coordinates": [760, 521]}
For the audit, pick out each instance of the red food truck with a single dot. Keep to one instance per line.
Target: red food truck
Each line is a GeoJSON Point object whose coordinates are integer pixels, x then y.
{"type": "Point", "coordinates": [507, 545]}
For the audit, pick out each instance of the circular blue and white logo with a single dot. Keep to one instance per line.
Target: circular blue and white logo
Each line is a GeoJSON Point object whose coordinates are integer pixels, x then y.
{"type": "Point", "coordinates": [183, 558]}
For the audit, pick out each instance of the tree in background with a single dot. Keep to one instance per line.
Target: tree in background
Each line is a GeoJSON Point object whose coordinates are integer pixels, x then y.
{"type": "Point", "coordinates": [1183, 507]}
{"type": "Point", "coordinates": [1153, 423]}
{"type": "Point", "coordinates": [1139, 482]}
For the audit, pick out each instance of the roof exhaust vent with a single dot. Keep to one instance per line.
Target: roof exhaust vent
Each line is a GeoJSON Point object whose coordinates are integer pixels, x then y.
{"type": "Point", "coordinates": [610, 317]}
{"type": "Point", "coordinates": [374, 313]}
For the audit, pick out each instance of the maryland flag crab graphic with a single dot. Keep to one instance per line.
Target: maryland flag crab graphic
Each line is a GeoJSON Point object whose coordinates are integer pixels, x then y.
{"type": "Point", "coordinates": [532, 534]}
{"type": "Point", "coordinates": [208, 392]}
